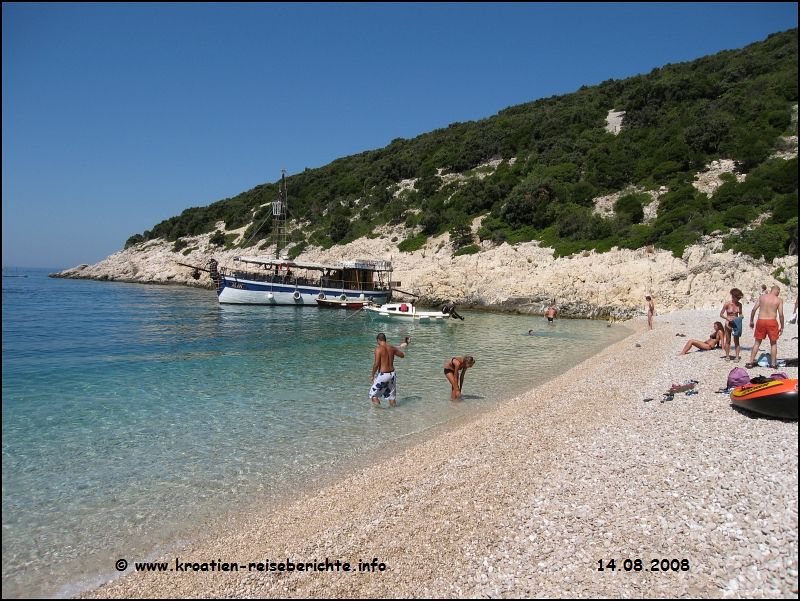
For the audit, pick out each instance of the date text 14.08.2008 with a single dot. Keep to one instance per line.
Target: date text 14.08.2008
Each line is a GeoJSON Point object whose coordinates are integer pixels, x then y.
{"type": "Point", "coordinates": [637, 565]}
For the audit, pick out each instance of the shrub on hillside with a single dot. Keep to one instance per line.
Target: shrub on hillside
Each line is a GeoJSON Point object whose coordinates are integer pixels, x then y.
{"type": "Point", "coordinates": [632, 205]}
{"type": "Point", "coordinates": [217, 239]}
{"type": "Point", "coordinates": [413, 243]}
{"type": "Point", "coordinates": [769, 241]}
{"type": "Point", "coordinates": [133, 240]}
{"type": "Point", "coordinates": [467, 250]}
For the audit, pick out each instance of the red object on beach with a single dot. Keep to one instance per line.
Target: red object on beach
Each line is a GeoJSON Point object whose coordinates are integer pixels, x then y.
{"type": "Point", "coordinates": [776, 398]}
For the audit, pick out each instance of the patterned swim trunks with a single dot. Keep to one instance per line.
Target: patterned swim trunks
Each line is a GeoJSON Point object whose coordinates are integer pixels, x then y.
{"type": "Point", "coordinates": [385, 384]}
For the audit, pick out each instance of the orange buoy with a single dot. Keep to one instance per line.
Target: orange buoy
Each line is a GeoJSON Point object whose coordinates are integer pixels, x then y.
{"type": "Point", "coordinates": [776, 398]}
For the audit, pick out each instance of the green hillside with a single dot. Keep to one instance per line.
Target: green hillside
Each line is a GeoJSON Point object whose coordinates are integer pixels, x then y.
{"type": "Point", "coordinates": [558, 156]}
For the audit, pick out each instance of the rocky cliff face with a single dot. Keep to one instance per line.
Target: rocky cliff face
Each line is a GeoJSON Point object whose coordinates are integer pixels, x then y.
{"type": "Point", "coordinates": [523, 277]}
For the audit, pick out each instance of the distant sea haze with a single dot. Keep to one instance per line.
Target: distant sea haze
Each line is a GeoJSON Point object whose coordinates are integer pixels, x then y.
{"type": "Point", "coordinates": [135, 415]}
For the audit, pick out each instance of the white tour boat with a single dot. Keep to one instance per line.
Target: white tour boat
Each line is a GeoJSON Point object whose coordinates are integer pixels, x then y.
{"type": "Point", "coordinates": [282, 281]}
{"type": "Point", "coordinates": [287, 282]}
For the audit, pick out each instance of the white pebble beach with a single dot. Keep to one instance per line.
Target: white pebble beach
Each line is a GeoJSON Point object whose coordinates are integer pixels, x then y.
{"type": "Point", "coordinates": [525, 500]}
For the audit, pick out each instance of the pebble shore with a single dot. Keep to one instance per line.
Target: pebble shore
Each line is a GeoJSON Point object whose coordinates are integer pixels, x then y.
{"type": "Point", "coordinates": [525, 500]}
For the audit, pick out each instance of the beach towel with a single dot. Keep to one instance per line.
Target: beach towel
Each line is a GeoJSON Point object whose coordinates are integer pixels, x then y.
{"type": "Point", "coordinates": [738, 377]}
{"type": "Point", "coordinates": [736, 326]}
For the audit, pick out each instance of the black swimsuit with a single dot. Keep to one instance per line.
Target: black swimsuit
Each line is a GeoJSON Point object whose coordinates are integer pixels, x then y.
{"type": "Point", "coordinates": [448, 370]}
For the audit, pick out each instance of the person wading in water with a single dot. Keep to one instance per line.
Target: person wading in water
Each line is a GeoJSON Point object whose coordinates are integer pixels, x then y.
{"type": "Point", "coordinates": [451, 372]}
{"type": "Point", "coordinates": [385, 383]}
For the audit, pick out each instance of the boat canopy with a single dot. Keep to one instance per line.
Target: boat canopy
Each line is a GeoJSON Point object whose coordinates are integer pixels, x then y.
{"type": "Point", "coordinates": [287, 263]}
{"type": "Point", "coordinates": [369, 265]}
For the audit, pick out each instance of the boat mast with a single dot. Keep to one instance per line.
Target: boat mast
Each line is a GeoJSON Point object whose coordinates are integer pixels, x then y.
{"type": "Point", "coordinates": [279, 217]}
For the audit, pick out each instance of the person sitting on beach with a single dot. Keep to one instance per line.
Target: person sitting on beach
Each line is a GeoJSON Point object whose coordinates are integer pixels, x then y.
{"type": "Point", "coordinates": [732, 312]}
{"type": "Point", "coordinates": [451, 369]}
{"type": "Point", "coordinates": [714, 341]}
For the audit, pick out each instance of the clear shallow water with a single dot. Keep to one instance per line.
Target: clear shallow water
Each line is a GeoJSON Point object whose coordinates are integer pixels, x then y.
{"type": "Point", "coordinates": [135, 415]}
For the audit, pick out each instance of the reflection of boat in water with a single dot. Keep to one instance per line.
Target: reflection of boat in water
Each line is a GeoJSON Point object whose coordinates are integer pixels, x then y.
{"type": "Point", "coordinates": [408, 312]}
{"type": "Point", "coordinates": [283, 281]}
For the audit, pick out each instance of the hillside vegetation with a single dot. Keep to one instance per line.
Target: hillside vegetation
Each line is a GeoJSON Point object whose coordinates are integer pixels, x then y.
{"type": "Point", "coordinates": [533, 171]}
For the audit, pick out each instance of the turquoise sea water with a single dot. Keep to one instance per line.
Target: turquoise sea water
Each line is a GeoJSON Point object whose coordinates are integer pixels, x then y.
{"type": "Point", "coordinates": [135, 416]}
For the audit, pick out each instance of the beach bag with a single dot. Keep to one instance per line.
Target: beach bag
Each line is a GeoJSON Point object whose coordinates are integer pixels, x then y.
{"type": "Point", "coordinates": [781, 375]}
{"type": "Point", "coordinates": [738, 377]}
{"type": "Point", "coordinates": [764, 360]}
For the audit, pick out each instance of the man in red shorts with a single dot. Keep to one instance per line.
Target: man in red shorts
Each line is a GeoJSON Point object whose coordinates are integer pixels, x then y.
{"type": "Point", "coordinates": [770, 307]}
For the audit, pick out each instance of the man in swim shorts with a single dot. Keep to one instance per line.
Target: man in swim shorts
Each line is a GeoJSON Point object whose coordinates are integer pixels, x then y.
{"type": "Point", "coordinates": [551, 314]}
{"type": "Point", "coordinates": [770, 307]}
{"type": "Point", "coordinates": [385, 383]}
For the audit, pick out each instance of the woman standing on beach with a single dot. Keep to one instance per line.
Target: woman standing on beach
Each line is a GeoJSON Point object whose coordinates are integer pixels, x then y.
{"type": "Point", "coordinates": [732, 314]}
{"type": "Point", "coordinates": [451, 369]}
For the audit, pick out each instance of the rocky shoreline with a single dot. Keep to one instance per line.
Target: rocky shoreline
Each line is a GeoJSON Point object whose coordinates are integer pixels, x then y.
{"type": "Point", "coordinates": [523, 278]}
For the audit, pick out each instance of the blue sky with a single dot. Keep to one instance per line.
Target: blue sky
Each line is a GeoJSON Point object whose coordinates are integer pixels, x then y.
{"type": "Point", "coordinates": [117, 116]}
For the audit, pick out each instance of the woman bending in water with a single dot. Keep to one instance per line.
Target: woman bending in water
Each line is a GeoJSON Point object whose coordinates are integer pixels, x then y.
{"type": "Point", "coordinates": [451, 369]}
{"type": "Point", "coordinates": [713, 342]}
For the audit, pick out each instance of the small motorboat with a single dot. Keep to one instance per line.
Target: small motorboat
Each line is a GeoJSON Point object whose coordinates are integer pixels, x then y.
{"type": "Point", "coordinates": [406, 312]}
{"type": "Point", "coordinates": [338, 303]}
{"type": "Point", "coordinates": [776, 398]}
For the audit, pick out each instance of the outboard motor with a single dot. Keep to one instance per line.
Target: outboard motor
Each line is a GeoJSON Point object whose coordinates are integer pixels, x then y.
{"type": "Point", "coordinates": [451, 310]}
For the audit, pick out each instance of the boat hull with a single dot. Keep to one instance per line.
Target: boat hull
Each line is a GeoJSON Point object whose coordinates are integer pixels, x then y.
{"type": "Point", "coordinates": [340, 304]}
{"type": "Point", "coordinates": [237, 291]}
{"type": "Point", "coordinates": [382, 314]}
{"type": "Point", "coordinates": [776, 398]}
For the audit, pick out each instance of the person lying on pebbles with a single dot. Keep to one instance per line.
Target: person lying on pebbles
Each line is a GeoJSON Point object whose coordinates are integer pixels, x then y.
{"type": "Point", "coordinates": [714, 341]}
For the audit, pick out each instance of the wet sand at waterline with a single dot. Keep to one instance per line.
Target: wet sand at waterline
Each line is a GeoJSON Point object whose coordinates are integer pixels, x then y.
{"type": "Point", "coordinates": [526, 499]}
